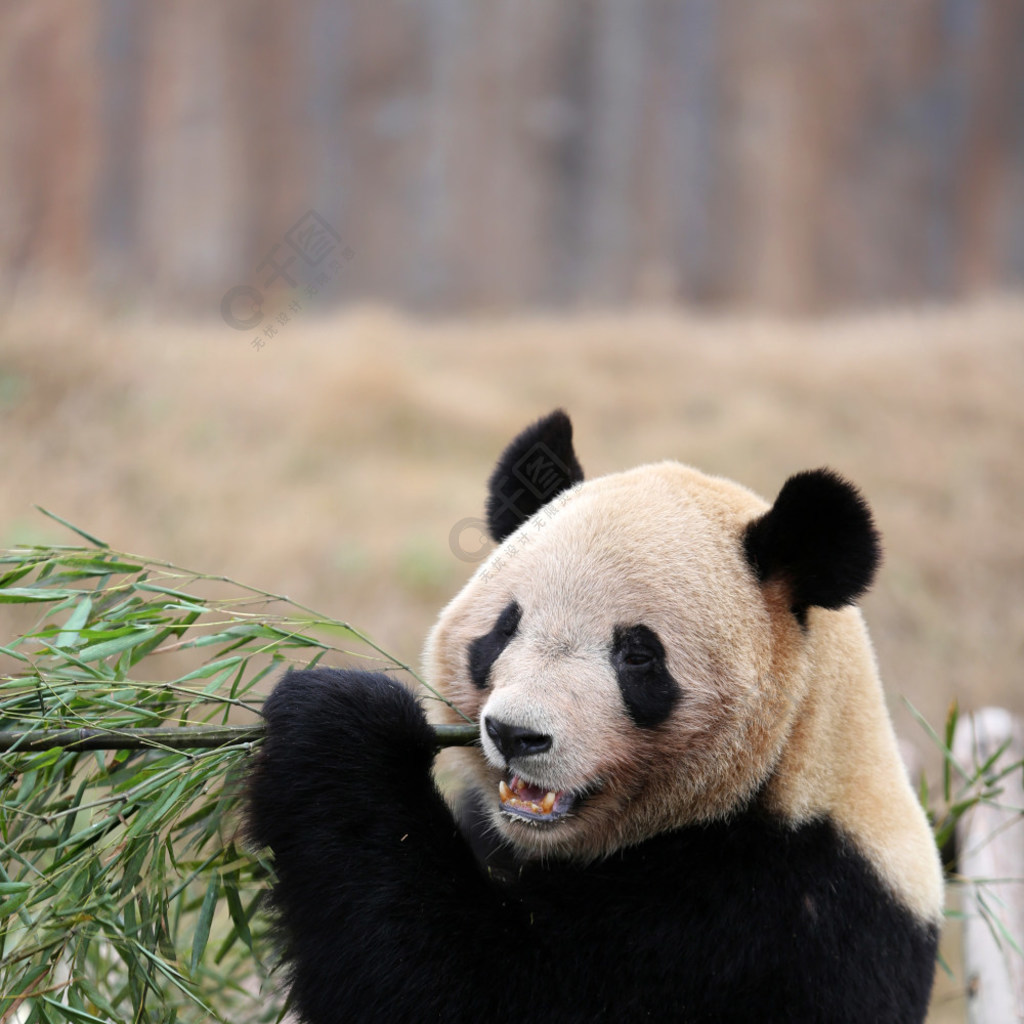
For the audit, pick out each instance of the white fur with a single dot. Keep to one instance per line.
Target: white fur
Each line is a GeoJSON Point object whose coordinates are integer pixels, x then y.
{"type": "Point", "coordinates": [764, 702]}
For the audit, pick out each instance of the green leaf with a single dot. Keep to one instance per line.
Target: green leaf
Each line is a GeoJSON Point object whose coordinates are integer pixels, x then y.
{"type": "Point", "coordinates": [114, 862]}
{"type": "Point", "coordinates": [157, 589]}
{"type": "Point", "coordinates": [96, 997]}
{"type": "Point", "coordinates": [238, 915]}
{"type": "Point", "coordinates": [24, 985]}
{"type": "Point", "coordinates": [951, 720]}
{"type": "Point", "coordinates": [107, 648]}
{"type": "Point", "coordinates": [943, 747]}
{"type": "Point", "coordinates": [46, 758]}
{"type": "Point", "coordinates": [172, 975]}
{"type": "Point", "coordinates": [76, 620]}
{"type": "Point", "coordinates": [27, 595]}
{"type": "Point", "coordinates": [203, 922]}
{"type": "Point", "coordinates": [158, 809]}
{"type": "Point", "coordinates": [103, 565]}
{"type": "Point", "coordinates": [13, 903]}
{"type": "Point", "coordinates": [12, 653]}
{"type": "Point", "coordinates": [16, 574]}
{"type": "Point", "coordinates": [71, 526]}
{"type": "Point", "coordinates": [70, 1013]}
{"type": "Point", "coordinates": [210, 668]}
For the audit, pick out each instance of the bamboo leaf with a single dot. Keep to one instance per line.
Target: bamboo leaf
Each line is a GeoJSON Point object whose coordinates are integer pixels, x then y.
{"type": "Point", "coordinates": [237, 912]}
{"type": "Point", "coordinates": [172, 975]}
{"type": "Point", "coordinates": [943, 747]}
{"type": "Point", "coordinates": [210, 668]}
{"type": "Point", "coordinates": [102, 565]}
{"type": "Point", "coordinates": [71, 526]}
{"type": "Point", "coordinates": [76, 621]}
{"type": "Point", "coordinates": [203, 922]}
{"type": "Point", "coordinates": [13, 903]}
{"type": "Point", "coordinates": [72, 1014]}
{"type": "Point", "coordinates": [29, 595]}
{"type": "Point", "coordinates": [951, 720]}
{"type": "Point", "coordinates": [108, 648]}
{"type": "Point", "coordinates": [16, 574]}
{"type": "Point", "coordinates": [997, 928]}
{"type": "Point", "coordinates": [93, 994]}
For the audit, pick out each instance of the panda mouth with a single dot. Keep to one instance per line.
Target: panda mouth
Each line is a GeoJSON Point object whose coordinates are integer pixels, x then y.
{"type": "Point", "coordinates": [524, 801]}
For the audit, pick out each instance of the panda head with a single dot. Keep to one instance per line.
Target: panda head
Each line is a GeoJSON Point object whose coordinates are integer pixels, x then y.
{"type": "Point", "coordinates": [640, 648]}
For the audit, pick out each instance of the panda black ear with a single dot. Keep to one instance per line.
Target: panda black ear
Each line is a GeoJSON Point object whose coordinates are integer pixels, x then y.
{"type": "Point", "coordinates": [537, 466]}
{"type": "Point", "coordinates": [819, 538]}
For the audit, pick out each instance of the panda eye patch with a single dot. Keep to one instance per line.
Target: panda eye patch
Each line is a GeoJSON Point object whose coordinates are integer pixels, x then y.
{"type": "Point", "coordinates": [508, 620]}
{"type": "Point", "coordinates": [485, 650]}
{"type": "Point", "coordinates": [648, 689]}
{"type": "Point", "coordinates": [637, 659]}
{"type": "Point", "coordinates": [636, 646]}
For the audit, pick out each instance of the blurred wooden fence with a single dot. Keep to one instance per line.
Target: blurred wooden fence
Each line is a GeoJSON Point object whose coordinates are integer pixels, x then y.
{"type": "Point", "coordinates": [990, 841]}
{"type": "Point", "coordinates": [477, 153]}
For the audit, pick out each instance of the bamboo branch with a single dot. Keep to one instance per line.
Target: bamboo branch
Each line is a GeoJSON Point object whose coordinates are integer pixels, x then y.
{"type": "Point", "coordinates": [179, 738]}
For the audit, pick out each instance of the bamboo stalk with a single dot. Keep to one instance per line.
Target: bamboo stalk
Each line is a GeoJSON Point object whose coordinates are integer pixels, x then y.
{"type": "Point", "coordinates": [179, 738]}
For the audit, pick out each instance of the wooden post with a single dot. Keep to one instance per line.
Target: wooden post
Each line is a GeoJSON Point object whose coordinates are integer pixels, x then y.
{"type": "Point", "coordinates": [990, 841]}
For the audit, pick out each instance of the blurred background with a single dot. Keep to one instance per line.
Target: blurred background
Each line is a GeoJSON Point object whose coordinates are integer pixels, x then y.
{"type": "Point", "coordinates": [491, 155]}
{"type": "Point", "coordinates": [278, 282]}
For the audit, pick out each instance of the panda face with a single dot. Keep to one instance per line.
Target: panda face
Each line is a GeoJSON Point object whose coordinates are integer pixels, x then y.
{"type": "Point", "coordinates": [660, 648]}
{"type": "Point", "coordinates": [623, 662]}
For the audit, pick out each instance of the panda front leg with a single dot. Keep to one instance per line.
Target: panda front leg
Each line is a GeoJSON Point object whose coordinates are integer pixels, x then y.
{"type": "Point", "coordinates": [384, 913]}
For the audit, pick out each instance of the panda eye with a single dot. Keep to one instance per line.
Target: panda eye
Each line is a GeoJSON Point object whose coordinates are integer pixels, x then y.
{"type": "Point", "coordinates": [636, 647]}
{"type": "Point", "coordinates": [637, 659]}
{"type": "Point", "coordinates": [648, 690]}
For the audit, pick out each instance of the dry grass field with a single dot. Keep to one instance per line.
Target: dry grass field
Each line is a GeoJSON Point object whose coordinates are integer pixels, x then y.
{"type": "Point", "coordinates": [333, 464]}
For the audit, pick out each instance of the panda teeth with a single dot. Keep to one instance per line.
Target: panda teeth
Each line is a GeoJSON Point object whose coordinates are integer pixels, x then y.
{"type": "Point", "coordinates": [509, 796]}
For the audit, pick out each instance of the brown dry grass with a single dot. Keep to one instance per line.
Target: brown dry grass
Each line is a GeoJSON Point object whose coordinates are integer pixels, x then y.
{"type": "Point", "coordinates": [332, 464]}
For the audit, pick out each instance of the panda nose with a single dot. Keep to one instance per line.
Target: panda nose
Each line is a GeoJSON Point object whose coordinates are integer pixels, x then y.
{"type": "Point", "coordinates": [514, 741]}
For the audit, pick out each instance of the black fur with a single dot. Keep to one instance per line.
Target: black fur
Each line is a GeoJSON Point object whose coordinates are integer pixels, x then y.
{"type": "Point", "coordinates": [648, 689]}
{"type": "Point", "coordinates": [820, 538]}
{"type": "Point", "coordinates": [485, 650]}
{"type": "Point", "coordinates": [388, 917]}
{"type": "Point", "coordinates": [536, 466]}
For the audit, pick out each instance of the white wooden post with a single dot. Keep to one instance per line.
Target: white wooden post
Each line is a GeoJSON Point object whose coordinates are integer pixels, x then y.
{"type": "Point", "coordinates": [990, 841]}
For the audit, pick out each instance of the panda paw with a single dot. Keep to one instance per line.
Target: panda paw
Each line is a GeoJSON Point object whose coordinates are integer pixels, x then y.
{"type": "Point", "coordinates": [341, 748]}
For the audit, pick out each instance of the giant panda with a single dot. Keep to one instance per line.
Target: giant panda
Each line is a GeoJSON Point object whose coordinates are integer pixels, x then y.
{"type": "Point", "coordinates": [686, 804]}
